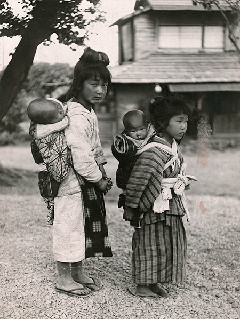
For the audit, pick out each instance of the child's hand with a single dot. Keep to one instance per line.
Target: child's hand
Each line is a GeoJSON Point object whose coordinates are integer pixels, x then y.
{"type": "Point", "coordinates": [128, 213]}
{"type": "Point", "coordinates": [103, 185]}
{"type": "Point", "coordinates": [190, 179]}
{"type": "Point", "coordinates": [102, 169]}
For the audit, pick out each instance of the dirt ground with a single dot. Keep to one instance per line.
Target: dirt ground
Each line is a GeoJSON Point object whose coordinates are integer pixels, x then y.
{"type": "Point", "coordinates": [28, 274]}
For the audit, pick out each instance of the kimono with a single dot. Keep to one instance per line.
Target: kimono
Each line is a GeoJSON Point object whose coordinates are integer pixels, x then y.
{"type": "Point", "coordinates": [80, 227]}
{"type": "Point", "coordinates": [159, 246]}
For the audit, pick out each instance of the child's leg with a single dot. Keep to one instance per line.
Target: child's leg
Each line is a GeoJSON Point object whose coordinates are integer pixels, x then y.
{"type": "Point", "coordinates": [79, 276]}
{"type": "Point", "coordinates": [65, 280]}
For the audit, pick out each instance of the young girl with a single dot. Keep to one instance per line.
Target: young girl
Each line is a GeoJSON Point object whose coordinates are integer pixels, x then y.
{"type": "Point", "coordinates": [79, 226]}
{"type": "Point", "coordinates": [155, 189]}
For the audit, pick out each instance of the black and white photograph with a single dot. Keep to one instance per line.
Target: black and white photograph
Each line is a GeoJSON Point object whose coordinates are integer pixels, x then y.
{"type": "Point", "coordinates": [119, 159]}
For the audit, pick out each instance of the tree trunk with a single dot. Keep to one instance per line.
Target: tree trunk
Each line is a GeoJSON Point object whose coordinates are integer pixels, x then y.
{"type": "Point", "coordinates": [16, 73]}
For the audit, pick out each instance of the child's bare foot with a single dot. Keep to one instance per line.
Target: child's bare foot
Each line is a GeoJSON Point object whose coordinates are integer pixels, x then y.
{"type": "Point", "coordinates": [156, 288]}
{"type": "Point", "coordinates": [143, 291]}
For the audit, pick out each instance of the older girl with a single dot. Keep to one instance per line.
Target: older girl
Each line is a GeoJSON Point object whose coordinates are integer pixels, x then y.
{"type": "Point", "coordinates": [155, 189]}
{"type": "Point", "coordinates": [79, 226]}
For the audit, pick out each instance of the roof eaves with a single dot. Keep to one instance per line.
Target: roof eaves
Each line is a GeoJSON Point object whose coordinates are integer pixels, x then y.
{"type": "Point", "coordinates": [185, 8]}
{"type": "Point", "coordinates": [173, 81]}
{"type": "Point", "coordinates": [129, 16]}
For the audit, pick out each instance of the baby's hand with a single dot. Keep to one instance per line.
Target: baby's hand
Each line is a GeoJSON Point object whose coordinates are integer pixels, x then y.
{"type": "Point", "coordinates": [109, 183]}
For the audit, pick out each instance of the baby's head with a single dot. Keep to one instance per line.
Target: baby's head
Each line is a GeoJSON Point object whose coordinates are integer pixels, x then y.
{"type": "Point", "coordinates": [135, 124]}
{"type": "Point", "coordinates": [45, 111]}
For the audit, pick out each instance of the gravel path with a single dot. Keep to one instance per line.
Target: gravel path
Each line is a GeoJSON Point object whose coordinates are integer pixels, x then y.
{"type": "Point", "coordinates": [28, 273]}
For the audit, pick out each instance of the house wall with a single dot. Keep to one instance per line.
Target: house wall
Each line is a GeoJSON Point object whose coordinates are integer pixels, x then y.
{"type": "Point", "coordinates": [221, 109]}
{"type": "Point", "coordinates": [194, 18]}
{"type": "Point", "coordinates": [131, 96]}
{"type": "Point", "coordinates": [144, 35]}
{"type": "Point", "coordinates": [127, 44]}
{"type": "Point", "coordinates": [144, 38]}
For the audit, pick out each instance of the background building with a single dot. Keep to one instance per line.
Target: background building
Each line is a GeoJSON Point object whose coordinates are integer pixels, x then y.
{"type": "Point", "coordinates": [174, 46]}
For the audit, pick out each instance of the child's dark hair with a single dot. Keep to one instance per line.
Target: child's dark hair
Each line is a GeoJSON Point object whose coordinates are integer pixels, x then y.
{"type": "Point", "coordinates": [92, 64]}
{"type": "Point", "coordinates": [163, 108]}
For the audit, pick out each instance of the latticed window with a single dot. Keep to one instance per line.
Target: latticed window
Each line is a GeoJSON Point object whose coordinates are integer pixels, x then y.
{"type": "Point", "coordinates": [191, 37]}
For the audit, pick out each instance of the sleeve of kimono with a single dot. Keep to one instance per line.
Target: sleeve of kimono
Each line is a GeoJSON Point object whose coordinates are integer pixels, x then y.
{"type": "Point", "coordinates": [99, 156]}
{"type": "Point", "coordinates": [98, 151]}
{"type": "Point", "coordinates": [144, 184]}
{"type": "Point", "coordinates": [79, 141]}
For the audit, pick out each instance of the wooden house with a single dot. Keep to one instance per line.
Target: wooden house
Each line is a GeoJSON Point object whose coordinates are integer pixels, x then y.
{"type": "Point", "coordinates": [172, 45]}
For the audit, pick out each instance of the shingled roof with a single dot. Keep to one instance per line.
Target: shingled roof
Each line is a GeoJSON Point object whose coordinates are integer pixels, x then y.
{"type": "Point", "coordinates": [180, 68]}
{"type": "Point", "coordinates": [172, 4]}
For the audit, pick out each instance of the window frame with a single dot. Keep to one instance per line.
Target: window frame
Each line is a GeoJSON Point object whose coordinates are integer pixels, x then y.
{"type": "Point", "coordinates": [202, 48]}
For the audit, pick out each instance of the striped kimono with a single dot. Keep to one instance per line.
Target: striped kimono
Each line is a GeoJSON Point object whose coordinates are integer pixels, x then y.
{"type": "Point", "coordinates": [159, 246]}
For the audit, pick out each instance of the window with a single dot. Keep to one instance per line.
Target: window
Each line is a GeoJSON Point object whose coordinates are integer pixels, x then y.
{"type": "Point", "coordinates": [180, 37]}
{"type": "Point", "coordinates": [213, 37]}
{"type": "Point", "coordinates": [191, 37]}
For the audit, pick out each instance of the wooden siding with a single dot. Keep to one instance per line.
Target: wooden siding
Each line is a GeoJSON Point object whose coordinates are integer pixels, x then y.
{"type": "Point", "coordinates": [189, 18]}
{"type": "Point", "coordinates": [172, 2]}
{"type": "Point", "coordinates": [158, 4]}
{"type": "Point", "coordinates": [229, 44]}
{"type": "Point", "coordinates": [145, 30]}
{"type": "Point", "coordinates": [127, 44]}
{"type": "Point", "coordinates": [145, 38]}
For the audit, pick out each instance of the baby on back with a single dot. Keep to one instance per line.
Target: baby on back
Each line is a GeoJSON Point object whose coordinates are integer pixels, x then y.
{"type": "Point", "coordinates": [49, 147]}
{"type": "Point", "coordinates": [45, 111]}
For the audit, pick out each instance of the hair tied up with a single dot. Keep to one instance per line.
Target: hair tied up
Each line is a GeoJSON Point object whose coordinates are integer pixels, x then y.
{"type": "Point", "coordinates": [91, 57]}
{"type": "Point", "coordinates": [101, 59]}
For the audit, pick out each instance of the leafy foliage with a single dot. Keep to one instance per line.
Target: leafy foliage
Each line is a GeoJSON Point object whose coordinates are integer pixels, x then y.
{"type": "Point", "coordinates": [41, 73]}
{"type": "Point", "coordinates": [61, 17]}
{"type": "Point", "coordinates": [33, 87]}
{"type": "Point", "coordinates": [35, 23]}
{"type": "Point", "coordinates": [234, 5]}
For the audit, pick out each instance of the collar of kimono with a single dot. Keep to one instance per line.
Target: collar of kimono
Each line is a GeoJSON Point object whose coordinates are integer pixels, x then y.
{"type": "Point", "coordinates": [74, 107]}
{"type": "Point", "coordinates": [171, 150]}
